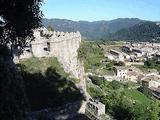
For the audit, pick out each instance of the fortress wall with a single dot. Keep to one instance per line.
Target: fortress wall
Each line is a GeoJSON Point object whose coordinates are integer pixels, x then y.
{"type": "Point", "coordinates": [62, 45]}
{"type": "Point", "coordinates": [67, 52]}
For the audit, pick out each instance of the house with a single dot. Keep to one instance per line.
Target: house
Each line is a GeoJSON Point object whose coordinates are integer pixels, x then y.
{"type": "Point", "coordinates": [121, 72]}
{"type": "Point", "coordinates": [127, 48]}
{"type": "Point", "coordinates": [158, 57]}
{"type": "Point", "coordinates": [117, 55]}
{"type": "Point", "coordinates": [154, 83]}
{"type": "Point", "coordinates": [138, 52]}
{"type": "Point", "coordinates": [151, 80]}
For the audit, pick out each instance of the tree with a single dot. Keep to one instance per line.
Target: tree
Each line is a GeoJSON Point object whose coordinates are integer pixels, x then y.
{"type": "Point", "coordinates": [50, 28]}
{"type": "Point", "coordinates": [155, 110]}
{"type": "Point", "coordinates": [18, 18]}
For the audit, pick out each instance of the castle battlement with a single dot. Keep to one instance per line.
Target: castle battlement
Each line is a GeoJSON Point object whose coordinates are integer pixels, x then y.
{"type": "Point", "coordinates": [62, 45]}
{"type": "Point", "coordinates": [53, 36]}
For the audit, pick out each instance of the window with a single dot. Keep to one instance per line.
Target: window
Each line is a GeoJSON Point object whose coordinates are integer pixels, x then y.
{"type": "Point", "coordinates": [48, 46]}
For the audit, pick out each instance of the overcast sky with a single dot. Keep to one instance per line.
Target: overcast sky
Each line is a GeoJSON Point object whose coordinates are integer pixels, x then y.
{"type": "Point", "coordinates": [94, 10]}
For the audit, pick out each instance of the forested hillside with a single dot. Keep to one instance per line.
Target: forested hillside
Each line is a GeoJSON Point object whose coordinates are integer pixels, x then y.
{"type": "Point", "coordinates": [91, 30]}
{"type": "Point", "coordinates": [141, 32]}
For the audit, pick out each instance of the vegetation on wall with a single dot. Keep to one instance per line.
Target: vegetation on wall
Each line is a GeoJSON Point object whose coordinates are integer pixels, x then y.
{"type": "Point", "coordinates": [50, 28]}
{"type": "Point", "coordinates": [91, 54]}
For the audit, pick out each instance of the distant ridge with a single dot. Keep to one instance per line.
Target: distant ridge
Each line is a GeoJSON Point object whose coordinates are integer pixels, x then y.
{"type": "Point", "coordinates": [92, 30]}
{"type": "Point", "coordinates": [146, 31]}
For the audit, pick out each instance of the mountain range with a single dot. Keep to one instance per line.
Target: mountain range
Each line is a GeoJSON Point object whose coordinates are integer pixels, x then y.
{"type": "Point", "coordinates": [117, 29]}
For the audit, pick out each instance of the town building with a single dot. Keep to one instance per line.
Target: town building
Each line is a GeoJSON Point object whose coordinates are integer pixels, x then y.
{"type": "Point", "coordinates": [138, 52]}
{"type": "Point", "coordinates": [116, 55]}
{"type": "Point", "coordinates": [158, 57]}
{"type": "Point", "coordinates": [152, 82]}
{"type": "Point", "coordinates": [121, 72]}
{"type": "Point", "coordinates": [127, 48]}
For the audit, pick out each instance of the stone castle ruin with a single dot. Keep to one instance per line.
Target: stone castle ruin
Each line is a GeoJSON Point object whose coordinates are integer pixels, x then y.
{"type": "Point", "coordinates": [61, 45]}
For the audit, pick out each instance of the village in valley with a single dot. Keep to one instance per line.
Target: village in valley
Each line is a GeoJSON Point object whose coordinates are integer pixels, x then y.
{"type": "Point", "coordinates": [132, 58]}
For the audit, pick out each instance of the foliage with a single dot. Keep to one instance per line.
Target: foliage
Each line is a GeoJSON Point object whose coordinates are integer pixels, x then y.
{"type": "Point", "coordinates": [19, 18]}
{"type": "Point", "coordinates": [123, 103]}
{"type": "Point", "coordinates": [90, 54]}
{"type": "Point", "coordinates": [35, 65]}
{"type": "Point", "coordinates": [33, 87]}
{"type": "Point", "coordinates": [14, 104]}
{"type": "Point", "coordinates": [91, 30]}
{"type": "Point", "coordinates": [152, 64]}
{"type": "Point", "coordinates": [47, 36]}
{"type": "Point", "coordinates": [45, 77]}
{"type": "Point", "coordinates": [111, 64]}
{"type": "Point", "coordinates": [146, 91]}
{"type": "Point", "coordinates": [50, 28]}
{"type": "Point", "coordinates": [96, 80]}
{"type": "Point", "coordinates": [138, 96]}
{"type": "Point", "coordinates": [41, 89]}
{"type": "Point", "coordinates": [145, 31]}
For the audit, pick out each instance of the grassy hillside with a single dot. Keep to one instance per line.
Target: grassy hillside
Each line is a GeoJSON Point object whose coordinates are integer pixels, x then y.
{"type": "Point", "coordinates": [91, 54]}
{"type": "Point", "coordinates": [34, 65]}
{"type": "Point", "coordinates": [145, 31]}
{"type": "Point", "coordinates": [122, 102]}
{"type": "Point", "coordinates": [44, 79]}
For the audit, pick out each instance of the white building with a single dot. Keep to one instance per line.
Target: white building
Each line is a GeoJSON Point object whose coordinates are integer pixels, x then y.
{"type": "Point", "coordinates": [121, 72]}
{"type": "Point", "coordinates": [154, 83]}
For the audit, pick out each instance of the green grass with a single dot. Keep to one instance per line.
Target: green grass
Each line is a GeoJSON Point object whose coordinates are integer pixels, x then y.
{"type": "Point", "coordinates": [91, 54]}
{"type": "Point", "coordinates": [145, 69]}
{"type": "Point", "coordinates": [46, 81]}
{"type": "Point", "coordinates": [138, 96]}
{"type": "Point", "coordinates": [34, 65]}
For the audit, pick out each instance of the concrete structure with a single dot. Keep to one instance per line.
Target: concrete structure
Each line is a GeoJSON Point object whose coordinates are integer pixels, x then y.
{"type": "Point", "coordinates": [154, 83]}
{"type": "Point", "coordinates": [151, 80]}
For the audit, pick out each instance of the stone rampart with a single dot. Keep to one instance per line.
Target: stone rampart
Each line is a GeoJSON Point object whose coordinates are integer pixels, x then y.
{"type": "Point", "coordinates": [62, 45]}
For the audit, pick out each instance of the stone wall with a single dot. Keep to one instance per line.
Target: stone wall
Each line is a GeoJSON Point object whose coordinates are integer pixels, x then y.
{"type": "Point", "coordinates": [62, 45]}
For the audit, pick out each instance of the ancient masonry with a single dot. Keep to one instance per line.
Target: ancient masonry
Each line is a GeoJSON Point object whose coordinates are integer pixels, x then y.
{"type": "Point", "coordinates": [61, 45]}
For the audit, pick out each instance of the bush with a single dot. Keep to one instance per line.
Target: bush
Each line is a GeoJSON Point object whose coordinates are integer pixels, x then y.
{"type": "Point", "coordinates": [90, 54]}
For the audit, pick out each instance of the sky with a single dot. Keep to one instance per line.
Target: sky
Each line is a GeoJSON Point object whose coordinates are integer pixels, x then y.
{"type": "Point", "coordinates": [94, 10]}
